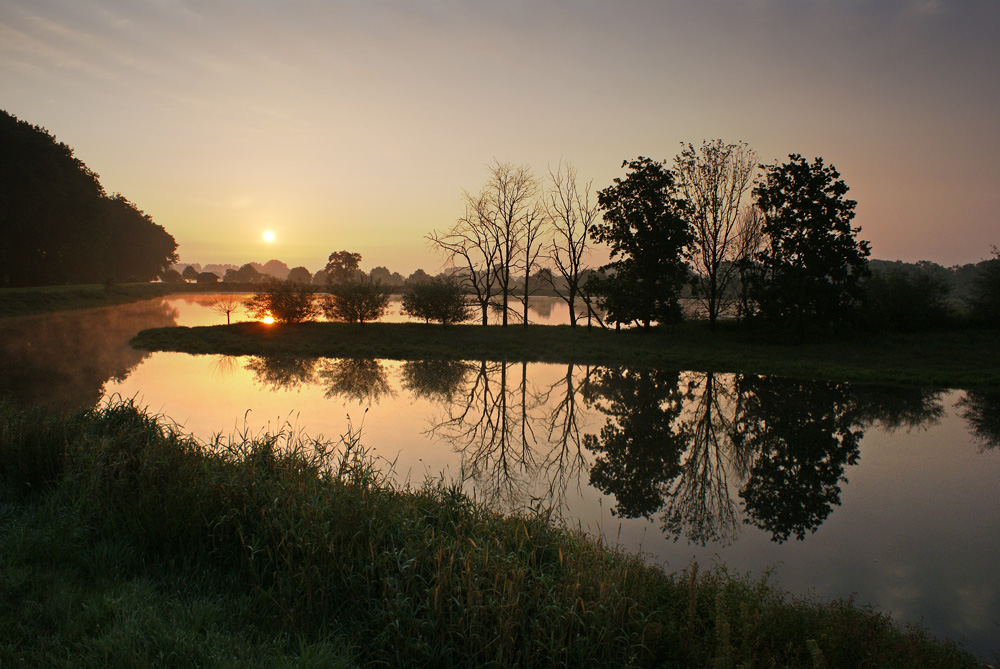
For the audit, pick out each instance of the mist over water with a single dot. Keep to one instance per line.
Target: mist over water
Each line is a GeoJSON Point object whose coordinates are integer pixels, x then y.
{"type": "Point", "coordinates": [888, 494]}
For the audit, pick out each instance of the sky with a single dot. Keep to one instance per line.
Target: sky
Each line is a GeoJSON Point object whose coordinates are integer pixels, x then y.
{"type": "Point", "coordinates": [358, 124]}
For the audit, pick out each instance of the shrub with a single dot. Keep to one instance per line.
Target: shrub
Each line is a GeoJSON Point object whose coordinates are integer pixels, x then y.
{"type": "Point", "coordinates": [903, 300]}
{"type": "Point", "coordinates": [356, 300]}
{"type": "Point", "coordinates": [438, 299]}
{"type": "Point", "coordinates": [285, 301]}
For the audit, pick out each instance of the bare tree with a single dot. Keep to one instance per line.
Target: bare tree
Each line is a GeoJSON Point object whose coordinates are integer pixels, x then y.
{"type": "Point", "coordinates": [511, 191]}
{"type": "Point", "coordinates": [749, 239]}
{"type": "Point", "coordinates": [493, 234]}
{"type": "Point", "coordinates": [571, 214]}
{"type": "Point", "coordinates": [715, 179]}
{"type": "Point", "coordinates": [225, 304]}
{"type": "Point", "coordinates": [534, 224]}
{"type": "Point", "coordinates": [472, 245]}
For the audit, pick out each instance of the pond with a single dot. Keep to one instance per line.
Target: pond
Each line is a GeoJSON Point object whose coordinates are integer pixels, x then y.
{"type": "Point", "coordinates": [889, 495]}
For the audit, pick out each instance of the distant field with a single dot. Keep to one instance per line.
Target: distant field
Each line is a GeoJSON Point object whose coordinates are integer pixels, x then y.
{"type": "Point", "coordinates": [956, 358]}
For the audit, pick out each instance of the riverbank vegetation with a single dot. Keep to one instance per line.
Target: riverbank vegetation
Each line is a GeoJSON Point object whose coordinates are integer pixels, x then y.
{"type": "Point", "coordinates": [957, 358]}
{"type": "Point", "coordinates": [123, 539]}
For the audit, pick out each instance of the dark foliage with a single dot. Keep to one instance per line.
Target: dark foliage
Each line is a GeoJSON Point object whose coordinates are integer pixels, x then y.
{"type": "Point", "coordinates": [356, 300]}
{"type": "Point", "coordinates": [645, 227]}
{"type": "Point", "coordinates": [984, 302]}
{"type": "Point", "coordinates": [438, 299]}
{"type": "Point", "coordinates": [808, 277]}
{"type": "Point", "coordinates": [285, 301]}
{"type": "Point", "coordinates": [905, 300]}
{"type": "Point", "coordinates": [59, 226]}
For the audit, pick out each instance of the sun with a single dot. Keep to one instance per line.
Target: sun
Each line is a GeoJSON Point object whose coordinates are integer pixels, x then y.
{"type": "Point", "coordinates": [268, 236]}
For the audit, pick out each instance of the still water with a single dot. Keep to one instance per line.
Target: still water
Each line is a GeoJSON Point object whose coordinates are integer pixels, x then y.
{"type": "Point", "coordinates": [887, 495]}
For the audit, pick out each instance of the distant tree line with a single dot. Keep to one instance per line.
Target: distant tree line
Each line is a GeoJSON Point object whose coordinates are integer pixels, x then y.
{"type": "Point", "coordinates": [59, 226]}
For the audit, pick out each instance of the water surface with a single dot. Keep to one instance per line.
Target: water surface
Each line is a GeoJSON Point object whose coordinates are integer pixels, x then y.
{"type": "Point", "coordinates": [887, 495]}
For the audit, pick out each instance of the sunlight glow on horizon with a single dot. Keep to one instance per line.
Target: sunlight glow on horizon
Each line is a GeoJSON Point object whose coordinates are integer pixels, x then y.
{"type": "Point", "coordinates": [359, 125]}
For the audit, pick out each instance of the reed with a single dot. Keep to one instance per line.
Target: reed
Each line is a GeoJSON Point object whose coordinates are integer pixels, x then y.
{"type": "Point", "coordinates": [310, 548]}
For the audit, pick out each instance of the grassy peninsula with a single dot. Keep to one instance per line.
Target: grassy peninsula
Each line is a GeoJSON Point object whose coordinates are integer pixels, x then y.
{"type": "Point", "coordinates": [949, 358]}
{"type": "Point", "coordinates": [125, 542]}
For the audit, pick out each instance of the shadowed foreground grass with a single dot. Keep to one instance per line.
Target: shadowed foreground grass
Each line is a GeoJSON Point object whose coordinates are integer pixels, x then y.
{"type": "Point", "coordinates": [956, 358]}
{"type": "Point", "coordinates": [123, 542]}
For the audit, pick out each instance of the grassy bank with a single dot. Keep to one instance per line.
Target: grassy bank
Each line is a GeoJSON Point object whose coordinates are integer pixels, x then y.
{"type": "Point", "coordinates": [125, 542]}
{"type": "Point", "coordinates": [957, 358]}
{"type": "Point", "coordinates": [43, 299]}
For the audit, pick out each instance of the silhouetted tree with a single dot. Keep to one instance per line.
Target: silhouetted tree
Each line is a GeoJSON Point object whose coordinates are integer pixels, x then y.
{"type": "Point", "coordinates": [984, 300]}
{"type": "Point", "coordinates": [285, 301]}
{"type": "Point", "coordinates": [715, 180]}
{"type": "Point", "coordinates": [356, 300]}
{"type": "Point", "coordinates": [189, 273]}
{"type": "Point", "coordinates": [342, 266]}
{"type": "Point", "coordinates": [245, 274]}
{"type": "Point", "coordinates": [905, 300]}
{"type": "Point", "coordinates": [171, 275]}
{"type": "Point", "coordinates": [808, 277]}
{"type": "Point", "coordinates": [59, 226]}
{"type": "Point", "coordinates": [572, 215]}
{"type": "Point", "coordinates": [437, 299]}
{"type": "Point", "coordinates": [299, 275]}
{"type": "Point", "coordinates": [645, 227]}
{"type": "Point", "coordinates": [226, 304]}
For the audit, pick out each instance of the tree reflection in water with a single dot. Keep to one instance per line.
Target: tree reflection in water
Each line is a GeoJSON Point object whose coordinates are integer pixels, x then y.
{"type": "Point", "coordinates": [782, 445]}
{"type": "Point", "coordinates": [489, 424]}
{"type": "Point", "coordinates": [704, 453]}
{"type": "Point", "coordinates": [436, 380]}
{"type": "Point", "coordinates": [361, 379]}
{"type": "Point", "coordinates": [981, 410]}
{"type": "Point", "coordinates": [282, 372]}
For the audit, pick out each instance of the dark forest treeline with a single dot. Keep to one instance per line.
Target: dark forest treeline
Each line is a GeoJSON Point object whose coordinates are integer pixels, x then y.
{"type": "Point", "coordinates": [60, 226]}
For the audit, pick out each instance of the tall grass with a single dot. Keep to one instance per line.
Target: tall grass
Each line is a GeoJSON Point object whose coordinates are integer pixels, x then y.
{"type": "Point", "coordinates": [326, 546]}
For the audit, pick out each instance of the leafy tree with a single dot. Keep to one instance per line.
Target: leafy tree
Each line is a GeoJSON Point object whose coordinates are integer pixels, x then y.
{"type": "Point", "coordinates": [905, 300]}
{"type": "Point", "coordinates": [715, 180]}
{"type": "Point", "coordinates": [284, 301]}
{"type": "Point", "coordinates": [809, 274]}
{"type": "Point", "coordinates": [299, 275]}
{"type": "Point", "coordinates": [171, 275]}
{"type": "Point", "coordinates": [645, 227]}
{"type": "Point", "coordinates": [245, 274]}
{"type": "Point", "coordinates": [189, 273]}
{"type": "Point", "coordinates": [342, 266]}
{"type": "Point", "coordinates": [984, 301]}
{"type": "Point", "coordinates": [59, 224]}
{"type": "Point", "coordinates": [356, 300]}
{"type": "Point", "coordinates": [437, 299]}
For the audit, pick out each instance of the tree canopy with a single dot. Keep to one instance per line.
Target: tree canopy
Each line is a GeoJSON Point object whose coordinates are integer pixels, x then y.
{"type": "Point", "coordinates": [809, 274]}
{"type": "Point", "coordinates": [59, 225]}
{"type": "Point", "coordinates": [647, 232]}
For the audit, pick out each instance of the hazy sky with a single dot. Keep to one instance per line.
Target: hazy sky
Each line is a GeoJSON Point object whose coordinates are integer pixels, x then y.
{"type": "Point", "coordinates": [358, 124]}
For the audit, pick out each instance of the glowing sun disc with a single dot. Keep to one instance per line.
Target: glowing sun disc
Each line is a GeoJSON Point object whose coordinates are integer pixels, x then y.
{"type": "Point", "coordinates": [268, 236]}
{"type": "Point", "coordinates": [267, 319]}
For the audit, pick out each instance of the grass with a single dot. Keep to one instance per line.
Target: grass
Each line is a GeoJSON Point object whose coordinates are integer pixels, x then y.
{"type": "Point", "coordinates": [966, 358]}
{"type": "Point", "coordinates": [45, 299]}
{"type": "Point", "coordinates": [124, 542]}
